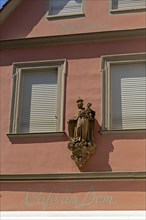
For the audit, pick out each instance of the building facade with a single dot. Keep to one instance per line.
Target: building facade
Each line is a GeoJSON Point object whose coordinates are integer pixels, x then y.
{"type": "Point", "coordinates": [53, 53]}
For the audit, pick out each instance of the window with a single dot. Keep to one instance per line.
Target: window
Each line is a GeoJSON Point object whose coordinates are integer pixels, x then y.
{"type": "Point", "coordinates": [65, 7]}
{"type": "Point", "coordinates": [128, 4]}
{"type": "Point", "coordinates": [125, 92]}
{"type": "Point", "coordinates": [38, 97]}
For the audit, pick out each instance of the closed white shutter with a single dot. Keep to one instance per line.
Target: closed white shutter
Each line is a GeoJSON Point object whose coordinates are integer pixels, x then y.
{"type": "Point", "coordinates": [128, 96]}
{"type": "Point", "coordinates": [61, 7]}
{"type": "Point", "coordinates": [39, 102]}
{"type": "Point", "coordinates": [126, 4]}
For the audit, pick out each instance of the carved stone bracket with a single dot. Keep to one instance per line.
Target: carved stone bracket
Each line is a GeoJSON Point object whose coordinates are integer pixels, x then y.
{"type": "Point", "coordinates": [81, 133]}
{"type": "Point", "coordinates": [81, 152]}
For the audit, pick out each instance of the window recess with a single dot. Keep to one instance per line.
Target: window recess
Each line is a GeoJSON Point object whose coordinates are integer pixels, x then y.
{"type": "Point", "coordinates": [38, 97]}
{"type": "Point", "coordinates": [124, 88]}
{"type": "Point", "coordinates": [65, 8]}
{"type": "Point", "coordinates": [124, 5]}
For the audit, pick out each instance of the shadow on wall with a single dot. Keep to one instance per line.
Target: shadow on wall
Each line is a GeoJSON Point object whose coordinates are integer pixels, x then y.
{"type": "Point", "coordinates": [99, 161]}
{"type": "Point", "coordinates": [71, 51]}
{"type": "Point", "coordinates": [66, 187]}
{"type": "Point", "coordinates": [24, 18]}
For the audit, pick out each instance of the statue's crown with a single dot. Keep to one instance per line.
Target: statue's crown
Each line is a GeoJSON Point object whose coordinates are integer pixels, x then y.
{"type": "Point", "coordinates": [80, 100]}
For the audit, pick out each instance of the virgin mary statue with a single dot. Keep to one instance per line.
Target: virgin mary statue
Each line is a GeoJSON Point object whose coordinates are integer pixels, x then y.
{"type": "Point", "coordinates": [81, 133]}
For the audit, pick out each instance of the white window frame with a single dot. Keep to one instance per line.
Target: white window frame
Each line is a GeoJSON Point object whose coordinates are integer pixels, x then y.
{"type": "Point", "coordinates": [107, 61]}
{"type": "Point", "coordinates": [71, 15]}
{"type": "Point", "coordinates": [18, 69]}
{"type": "Point", "coordinates": [124, 10]}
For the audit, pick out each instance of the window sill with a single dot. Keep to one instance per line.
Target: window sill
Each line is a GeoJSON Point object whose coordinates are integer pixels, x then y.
{"type": "Point", "coordinates": [35, 135]}
{"type": "Point", "coordinates": [64, 16]}
{"type": "Point", "coordinates": [127, 132]}
{"type": "Point", "coordinates": [128, 10]}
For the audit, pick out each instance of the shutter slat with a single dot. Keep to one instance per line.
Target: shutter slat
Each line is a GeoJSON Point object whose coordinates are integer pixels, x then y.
{"type": "Point", "coordinates": [127, 4]}
{"type": "Point", "coordinates": [39, 102]}
{"type": "Point", "coordinates": [65, 7]}
{"type": "Point", "coordinates": [128, 92]}
{"type": "Point", "coordinates": [133, 109]}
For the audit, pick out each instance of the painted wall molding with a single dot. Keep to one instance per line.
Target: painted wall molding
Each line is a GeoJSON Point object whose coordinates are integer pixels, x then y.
{"type": "Point", "coordinates": [73, 38]}
{"type": "Point", "coordinates": [72, 176]}
{"type": "Point", "coordinates": [73, 215]}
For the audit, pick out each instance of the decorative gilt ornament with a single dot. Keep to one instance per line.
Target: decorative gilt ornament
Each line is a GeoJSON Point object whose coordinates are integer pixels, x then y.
{"type": "Point", "coordinates": [81, 134]}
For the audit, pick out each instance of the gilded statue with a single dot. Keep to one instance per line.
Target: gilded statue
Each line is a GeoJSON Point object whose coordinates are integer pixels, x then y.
{"type": "Point", "coordinates": [81, 133]}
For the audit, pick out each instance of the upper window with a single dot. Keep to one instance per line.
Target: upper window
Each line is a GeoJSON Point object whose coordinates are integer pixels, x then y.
{"type": "Point", "coordinates": [38, 94]}
{"type": "Point", "coordinates": [125, 96]}
{"type": "Point", "coordinates": [65, 7]}
{"type": "Point", "coordinates": [128, 4]}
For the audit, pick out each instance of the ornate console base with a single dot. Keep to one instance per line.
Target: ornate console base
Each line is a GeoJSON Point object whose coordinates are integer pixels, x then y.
{"type": "Point", "coordinates": [81, 151]}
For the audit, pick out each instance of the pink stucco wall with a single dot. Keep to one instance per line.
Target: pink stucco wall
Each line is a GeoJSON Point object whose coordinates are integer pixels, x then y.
{"type": "Point", "coordinates": [77, 195]}
{"type": "Point", "coordinates": [83, 78]}
{"type": "Point", "coordinates": [29, 20]}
